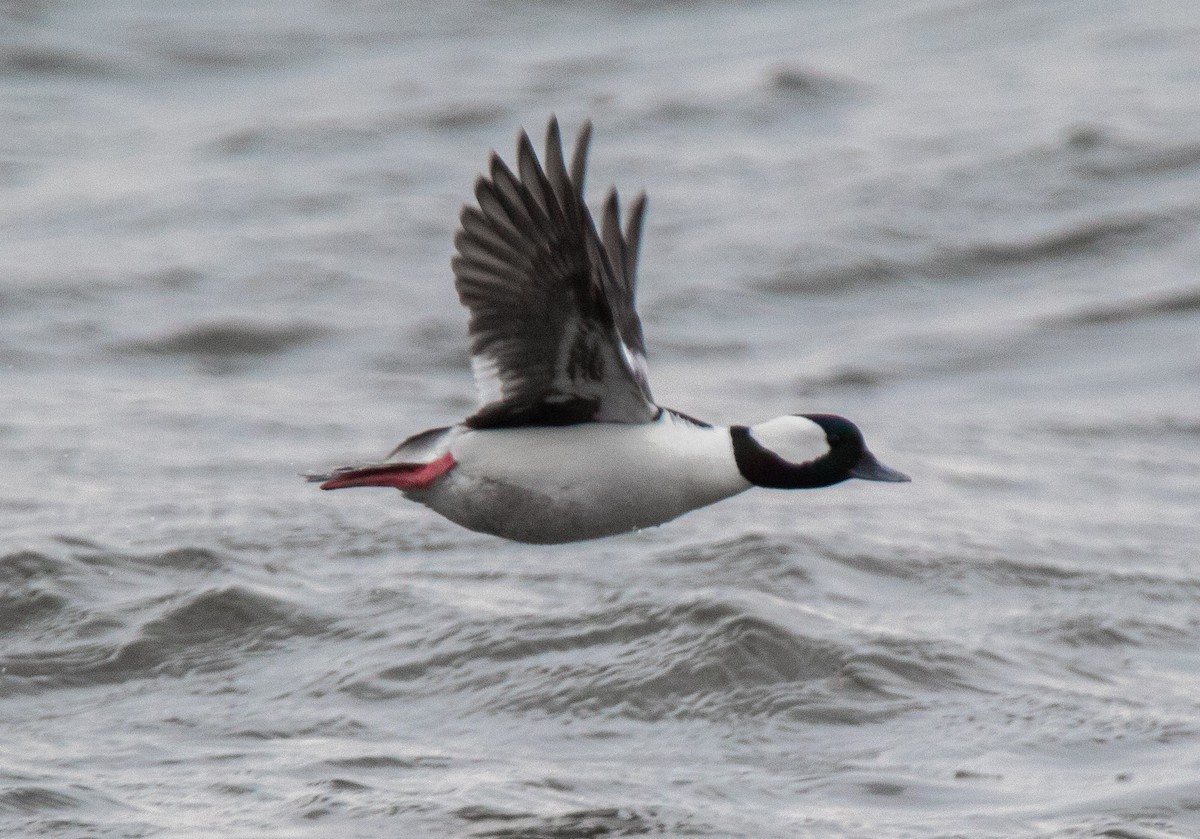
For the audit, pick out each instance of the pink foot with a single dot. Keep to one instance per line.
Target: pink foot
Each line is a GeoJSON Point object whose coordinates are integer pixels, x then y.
{"type": "Point", "coordinates": [398, 475]}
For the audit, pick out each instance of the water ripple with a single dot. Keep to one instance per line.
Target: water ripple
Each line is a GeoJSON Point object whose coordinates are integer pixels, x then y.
{"type": "Point", "coordinates": [209, 631]}
{"type": "Point", "coordinates": [703, 659]}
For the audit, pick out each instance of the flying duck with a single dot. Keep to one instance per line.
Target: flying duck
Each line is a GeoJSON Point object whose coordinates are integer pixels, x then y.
{"type": "Point", "coordinates": [569, 444]}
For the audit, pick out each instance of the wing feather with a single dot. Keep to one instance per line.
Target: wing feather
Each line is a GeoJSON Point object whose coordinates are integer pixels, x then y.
{"type": "Point", "coordinates": [554, 334]}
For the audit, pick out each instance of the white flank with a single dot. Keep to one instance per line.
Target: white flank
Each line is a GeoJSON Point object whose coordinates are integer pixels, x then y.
{"type": "Point", "coordinates": [584, 481]}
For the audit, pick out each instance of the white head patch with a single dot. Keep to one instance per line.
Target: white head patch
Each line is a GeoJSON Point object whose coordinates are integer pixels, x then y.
{"type": "Point", "coordinates": [795, 439]}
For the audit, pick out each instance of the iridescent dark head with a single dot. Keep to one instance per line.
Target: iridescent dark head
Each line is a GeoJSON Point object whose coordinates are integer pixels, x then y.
{"type": "Point", "coordinates": [806, 451]}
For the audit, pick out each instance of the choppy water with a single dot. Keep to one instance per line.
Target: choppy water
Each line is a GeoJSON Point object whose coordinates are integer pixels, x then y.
{"type": "Point", "coordinates": [971, 227]}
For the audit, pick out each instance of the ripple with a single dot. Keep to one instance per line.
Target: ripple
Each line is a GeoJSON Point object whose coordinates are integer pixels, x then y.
{"type": "Point", "coordinates": [210, 631]}
{"type": "Point", "coordinates": [895, 665]}
{"type": "Point", "coordinates": [53, 60]}
{"type": "Point", "coordinates": [459, 116]}
{"type": "Point", "coordinates": [1160, 588]}
{"type": "Point", "coordinates": [228, 613]}
{"type": "Point", "coordinates": [31, 800]}
{"type": "Point", "coordinates": [751, 558]}
{"type": "Point", "coordinates": [389, 762]}
{"type": "Point", "coordinates": [832, 271]}
{"type": "Point", "coordinates": [1157, 427]}
{"type": "Point", "coordinates": [807, 84]}
{"type": "Point", "coordinates": [430, 345]}
{"type": "Point", "coordinates": [201, 47]}
{"type": "Point", "coordinates": [25, 566]}
{"type": "Point", "coordinates": [229, 340]}
{"type": "Point", "coordinates": [1029, 575]}
{"type": "Point", "coordinates": [705, 659]}
{"type": "Point", "coordinates": [1111, 158]}
{"type": "Point", "coordinates": [1106, 631]}
{"type": "Point", "coordinates": [180, 559]}
{"type": "Point", "coordinates": [580, 824]}
{"type": "Point", "coordinates": [1183, 301]}
{"type": "Point", "coordinates": [1070, 239]}
{"type": "Point", "coordinates": [25, 609]}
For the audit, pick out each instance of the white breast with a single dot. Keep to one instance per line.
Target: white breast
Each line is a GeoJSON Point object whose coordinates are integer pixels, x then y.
{"type": "Point", "coordinates": [584, 481]}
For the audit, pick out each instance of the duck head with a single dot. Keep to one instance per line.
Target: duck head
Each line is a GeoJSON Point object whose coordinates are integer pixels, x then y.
{"type": "Point", "coordinates": [806, 451]}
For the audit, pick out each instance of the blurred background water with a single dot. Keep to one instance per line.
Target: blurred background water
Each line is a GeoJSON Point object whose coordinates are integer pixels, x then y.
{"type": "Point", "coordinates": [225, 233]}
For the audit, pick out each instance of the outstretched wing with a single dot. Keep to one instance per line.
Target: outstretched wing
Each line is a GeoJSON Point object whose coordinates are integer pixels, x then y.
{"type": "Point", "coordinates": [555, 337]}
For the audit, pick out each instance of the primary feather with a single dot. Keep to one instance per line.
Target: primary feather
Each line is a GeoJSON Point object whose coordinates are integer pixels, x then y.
{"type": "Point", "coordinates": [554, 334]}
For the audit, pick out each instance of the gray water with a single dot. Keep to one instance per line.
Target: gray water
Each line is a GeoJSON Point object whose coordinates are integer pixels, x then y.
{"type": "Point", "coordinates": [225, 233]}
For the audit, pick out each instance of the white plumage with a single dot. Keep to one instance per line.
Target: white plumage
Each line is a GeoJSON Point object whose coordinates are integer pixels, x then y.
{"type": "Point", "coordinates": [569, 443]}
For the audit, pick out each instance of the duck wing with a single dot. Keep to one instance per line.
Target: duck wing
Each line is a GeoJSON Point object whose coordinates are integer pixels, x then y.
{"type": "Point", "coordinates": [555, 337]}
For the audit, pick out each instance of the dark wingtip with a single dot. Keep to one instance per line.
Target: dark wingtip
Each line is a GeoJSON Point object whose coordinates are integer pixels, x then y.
{"type": "Point", "coordinates": [553, 136]}
{"type": "Point", "coordinates": [496, 166]}
{"type": "Point", "coordinates": [579, 157]}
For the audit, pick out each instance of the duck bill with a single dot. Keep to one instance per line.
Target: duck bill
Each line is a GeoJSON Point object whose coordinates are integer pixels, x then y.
{"type": "Point", "coordinates": [870, 469]}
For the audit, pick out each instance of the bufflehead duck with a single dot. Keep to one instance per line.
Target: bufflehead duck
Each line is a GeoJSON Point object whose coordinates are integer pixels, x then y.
{"type": "Point", "coordinates": [569, 444]}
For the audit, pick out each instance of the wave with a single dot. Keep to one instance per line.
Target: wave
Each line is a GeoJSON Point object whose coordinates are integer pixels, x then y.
{"type": "Point", "coordinates": [579, 824]}
{"type": "Point", "coordinates": [56, 61]}
{"type": "Point", "coordinates": [31, 800]}
{"type": "Point", "coordinates": [430, 344]}
{"type": "Point", "coordinates": [22, 611]}
{"type": "Point", "coordinates": [378, 761]}
{"type": "Point", "coordinates": [1027, 574]}
{"type": "Point", "coordinates": [749, 558]}
{"type": "Point", "coordinates": [1089, 193]}
{"type": "Point", "coordinates": [1168, 304]}
{"type": "Point", "coordinates": [230, 338]}
{"type": "Point", "coordinates": [702, 659]}
{"type": "Point", "coordinates": [1156, 427]}
{"type": "Point", "coordinates": [24, 567]}
{"type": "Point", "coordinates": [1104, 631]}
{"type": "Point", "coordinates": [226, 345]}
{"type": "Point", "coordinates": [1069, 239]}
{"type": "Point", "coordinates": [56, 635]}
{"type": "Point", "coordinates": [1114, 158]}
{"type": "Point", "coordinates": [837, 270]}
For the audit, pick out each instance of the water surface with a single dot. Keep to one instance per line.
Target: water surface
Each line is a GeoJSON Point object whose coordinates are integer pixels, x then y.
{"type": "Point", "coordinates": [224, 261]}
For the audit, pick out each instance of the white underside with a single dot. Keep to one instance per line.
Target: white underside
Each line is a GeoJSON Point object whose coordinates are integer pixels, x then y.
{"type": "Point", "coordinates": [576, 482]}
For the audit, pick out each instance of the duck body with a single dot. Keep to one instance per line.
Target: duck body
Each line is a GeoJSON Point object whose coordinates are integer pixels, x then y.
{"type": "Point", "coordinates": [569, 483]}
{"type": "Point", "coordinates": [569, 444]}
